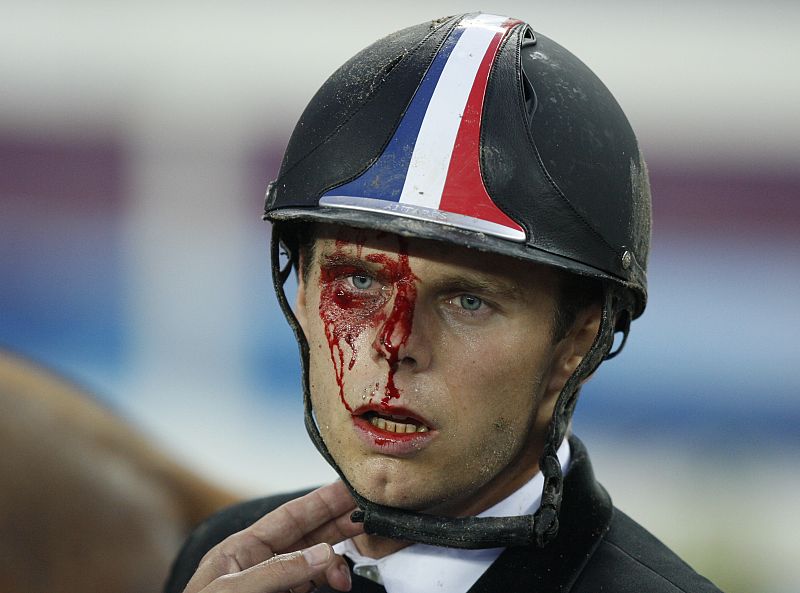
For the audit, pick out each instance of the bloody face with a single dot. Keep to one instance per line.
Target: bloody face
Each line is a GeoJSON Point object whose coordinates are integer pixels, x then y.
{"type": "Point", "coordinates": [347, 310]}
{"type": "Point", "coordinates": [432, 368]}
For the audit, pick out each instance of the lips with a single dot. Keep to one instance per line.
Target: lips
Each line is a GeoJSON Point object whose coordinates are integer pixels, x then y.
{"type": "Point", "coordinates": [394, 419]}
{"type": "Point", "coordinates": [393, 430]}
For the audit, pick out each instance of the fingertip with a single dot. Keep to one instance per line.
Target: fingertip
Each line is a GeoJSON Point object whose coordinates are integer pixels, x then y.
{"type": "Point", "coordinates": [318, 555]}
{"type": "Point", "coordinates": [338, 575]}
{"type": "Point", "coordinates": [344, 570]}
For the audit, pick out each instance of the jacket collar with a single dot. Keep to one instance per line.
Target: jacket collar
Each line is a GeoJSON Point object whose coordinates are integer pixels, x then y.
{"type": "Point", "coordinates": [585, 517]}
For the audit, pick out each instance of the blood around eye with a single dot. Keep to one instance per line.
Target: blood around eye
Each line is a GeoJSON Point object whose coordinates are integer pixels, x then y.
{"type": "Point", "coordinates": [346, 313]}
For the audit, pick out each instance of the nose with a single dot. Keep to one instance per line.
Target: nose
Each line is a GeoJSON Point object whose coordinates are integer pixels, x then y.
{"type": "Point", "coordinates": [400, 338]}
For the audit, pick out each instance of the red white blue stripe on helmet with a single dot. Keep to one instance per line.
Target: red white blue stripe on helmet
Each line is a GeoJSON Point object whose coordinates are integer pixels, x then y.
{"type": "Point", "coordinates": [430, 169]}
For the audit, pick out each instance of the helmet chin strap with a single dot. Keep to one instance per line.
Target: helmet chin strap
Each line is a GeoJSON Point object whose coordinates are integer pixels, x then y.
{"type": "Point", "coordinates": [464, 532]}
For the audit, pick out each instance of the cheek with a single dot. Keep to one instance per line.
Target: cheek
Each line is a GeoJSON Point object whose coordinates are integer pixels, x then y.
{"type": "Point", "coordinates": [321, 375]}
{"type": "Point", "coordinates": [496, 387]}
{"type": "Point", "coordinates": [487, 436]}
{"type": "Point", "coordinates": [333, 380]}
{"type": "Point", "coordinates": [344, 322]}
{"type": "Point", "coordinates": [501, 358]}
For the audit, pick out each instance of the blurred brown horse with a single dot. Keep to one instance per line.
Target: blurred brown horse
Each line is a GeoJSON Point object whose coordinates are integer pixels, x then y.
{"type": "Point", "coordinates": [86, 503]}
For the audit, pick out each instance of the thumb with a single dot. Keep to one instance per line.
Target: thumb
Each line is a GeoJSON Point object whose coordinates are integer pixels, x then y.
{"type": "Point", "coordinates": [286, 571]}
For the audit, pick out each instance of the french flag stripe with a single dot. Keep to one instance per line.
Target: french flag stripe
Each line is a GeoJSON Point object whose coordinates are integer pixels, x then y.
{"type": "Point", "coordinates": [427, 170]}
{"type": "Point", "coordinates": [384, 179]}
{"type": "Point", "coordinates": [464, 192]}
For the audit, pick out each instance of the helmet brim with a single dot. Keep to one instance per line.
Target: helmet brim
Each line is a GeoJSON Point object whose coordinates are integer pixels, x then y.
{"type": "Point", "coordinates": [442, 232]}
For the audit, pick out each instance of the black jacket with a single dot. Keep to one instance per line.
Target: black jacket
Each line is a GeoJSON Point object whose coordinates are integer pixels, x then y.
{"type": "Point", "coordinates": [598, 548]}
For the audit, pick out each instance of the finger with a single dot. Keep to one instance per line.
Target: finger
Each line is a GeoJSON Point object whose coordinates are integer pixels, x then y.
{"type": "Point", "coordinates": [282, 530]}
{"type": "Point", "coordinates": [333, 532]}
{"type": "Point", "coordinates": [279, 573]}
{"type": "Point", "coordinates": [321, 515]}
{"type": "Point", "coordinates": [338, 574]}
{"type": "Point", "coordinates": [308, 587]}
{"type": "Point", "coordinates": [232, 555]}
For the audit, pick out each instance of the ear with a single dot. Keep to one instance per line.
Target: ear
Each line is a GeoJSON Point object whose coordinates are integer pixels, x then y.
{"type": "Point", "coordinates": [300, 307]}
{"type": "Point", "coordinates": [574, 346]}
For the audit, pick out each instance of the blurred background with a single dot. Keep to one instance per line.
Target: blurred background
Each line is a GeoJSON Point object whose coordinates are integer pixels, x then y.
{"type": "Point", "coordinates": [136, 142]}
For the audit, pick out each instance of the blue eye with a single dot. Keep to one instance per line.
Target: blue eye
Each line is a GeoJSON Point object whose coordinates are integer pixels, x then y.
{"type": "Point", "coordinates": [361, 282]}
{"type": "Point", "coordinates": [470, 302]}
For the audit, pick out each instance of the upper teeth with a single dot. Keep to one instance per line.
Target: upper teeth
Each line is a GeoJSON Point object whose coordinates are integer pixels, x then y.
{"type": "Point", "coordinates": [384, 424]}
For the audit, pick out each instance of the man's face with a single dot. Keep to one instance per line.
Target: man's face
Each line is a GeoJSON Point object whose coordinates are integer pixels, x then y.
{"type": "Point", "coordinates": [433, 370]}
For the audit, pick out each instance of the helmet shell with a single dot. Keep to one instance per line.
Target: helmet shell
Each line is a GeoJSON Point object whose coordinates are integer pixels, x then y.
{"type": "Point", "coordinates": [475, 130]}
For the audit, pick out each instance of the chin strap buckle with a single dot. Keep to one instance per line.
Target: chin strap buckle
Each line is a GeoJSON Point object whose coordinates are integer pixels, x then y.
{"type": "Point", "coordinates": [545, 524]}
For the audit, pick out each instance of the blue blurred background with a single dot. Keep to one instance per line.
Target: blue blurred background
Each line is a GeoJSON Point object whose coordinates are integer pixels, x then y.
{"type": "Point", "coordinates": [136, 142]}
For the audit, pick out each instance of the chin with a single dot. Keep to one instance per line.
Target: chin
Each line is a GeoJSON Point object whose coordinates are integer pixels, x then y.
{"type": "Point", "coordinates": [443, 504]}
{"type": "Point", "coordinates": [409, 501]}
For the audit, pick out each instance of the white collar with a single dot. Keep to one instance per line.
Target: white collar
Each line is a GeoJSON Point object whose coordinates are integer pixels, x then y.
{"type": "Point", "coordinates": [420, 568]}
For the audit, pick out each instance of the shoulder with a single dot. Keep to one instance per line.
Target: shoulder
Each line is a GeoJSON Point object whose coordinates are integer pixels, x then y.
{"type": "Point", "coordinates": [629, 558]}
{"type": "Point", "coordinates": [215, 529]}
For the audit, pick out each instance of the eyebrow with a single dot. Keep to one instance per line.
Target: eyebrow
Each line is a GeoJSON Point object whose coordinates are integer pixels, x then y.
{"type": "Point", "coordinates": [474, 283]}
{"type": "Point", "coordinates": [343, 259]}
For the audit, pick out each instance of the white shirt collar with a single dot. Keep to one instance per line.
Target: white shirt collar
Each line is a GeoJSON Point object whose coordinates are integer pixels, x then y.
{"type": "Point", "coordinates": [421, 568]}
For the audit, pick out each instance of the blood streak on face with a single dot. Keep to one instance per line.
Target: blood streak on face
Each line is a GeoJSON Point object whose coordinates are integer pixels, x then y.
{"type": "Point", "coordinates": [397, 327]}
{"type": "Point", "coordinates": [346, 312]}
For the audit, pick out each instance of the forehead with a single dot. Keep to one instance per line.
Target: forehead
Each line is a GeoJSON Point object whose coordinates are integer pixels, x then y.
{"type": "Point", "coordinates": [433, 256]}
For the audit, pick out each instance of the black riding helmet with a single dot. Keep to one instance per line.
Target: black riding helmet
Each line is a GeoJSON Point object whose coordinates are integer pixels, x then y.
{"type": "Point", "coordinates": [478, 131]}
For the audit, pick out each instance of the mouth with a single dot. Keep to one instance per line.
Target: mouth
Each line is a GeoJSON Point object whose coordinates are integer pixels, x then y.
{"type": "Point", "coordinates": [392, 429]}
{"type": "Point", "coordinates": [398, 424]}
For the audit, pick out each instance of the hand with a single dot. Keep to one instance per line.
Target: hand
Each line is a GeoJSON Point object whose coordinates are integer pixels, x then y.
{"type": "Point", "coordinates": [287, 549]}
